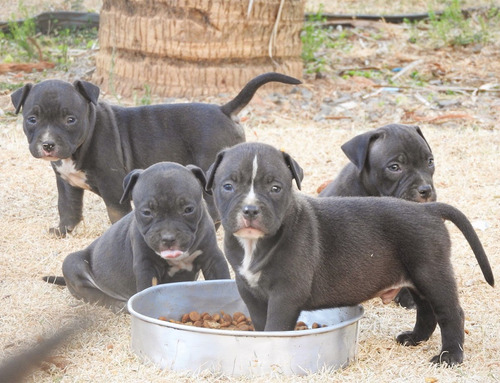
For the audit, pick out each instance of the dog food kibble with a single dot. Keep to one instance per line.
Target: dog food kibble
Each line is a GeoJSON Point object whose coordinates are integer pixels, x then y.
{"type": "Point", "coordinates": [223, 321]}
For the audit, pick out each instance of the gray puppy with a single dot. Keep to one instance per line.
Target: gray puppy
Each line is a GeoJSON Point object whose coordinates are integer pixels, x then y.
{"type": "Point", "coordinates": [169, 237]}
{"type": "Point", "coordinates": [93, 145]}
{"type": "Point", "coordinates": [395, 161]}
{"type": "Point", "coordinates": [292, 252]}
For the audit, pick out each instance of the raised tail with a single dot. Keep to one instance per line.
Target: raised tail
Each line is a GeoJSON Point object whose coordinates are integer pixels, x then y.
{"type": "Point", "coordinates": [454, 215]}
{"type": "Point", "coordinates": [55, 280]}
{"type": "Point", "coordinates": [234, 106]}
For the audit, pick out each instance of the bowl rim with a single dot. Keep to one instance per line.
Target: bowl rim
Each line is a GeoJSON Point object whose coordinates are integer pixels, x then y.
{"type": "Point", "coordinates": [237, 333]}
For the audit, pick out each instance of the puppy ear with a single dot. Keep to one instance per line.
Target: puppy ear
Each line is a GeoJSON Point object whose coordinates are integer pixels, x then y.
{"type": "Point", "coordinates": [356, 149]}
{"type": "Point", "coordinates": [129, 182]}
{"type": "Point", "coordinates": [19, 96]}
{"type": "Point", "coordinates": [198, 173]}
{"type": "Point", "coordinates": [297, 172]}
{"type": "Point", "coordinates": [212, 169]}
{"type": "Point", "coordinates": [87, 90]}
{"type": "Point", "coordinates": [419, 132]}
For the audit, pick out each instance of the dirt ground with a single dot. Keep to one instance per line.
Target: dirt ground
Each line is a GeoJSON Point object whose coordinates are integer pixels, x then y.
{"type": "Point", "coordinates": [310, 122]}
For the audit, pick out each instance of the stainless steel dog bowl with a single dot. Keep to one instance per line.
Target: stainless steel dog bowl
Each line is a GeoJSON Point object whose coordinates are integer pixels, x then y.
{"type": "Point", "coordinates": [239, 353]}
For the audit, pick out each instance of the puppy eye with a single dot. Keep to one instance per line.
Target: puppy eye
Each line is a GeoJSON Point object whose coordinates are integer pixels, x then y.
{"type": "Point", "coordinates": [228, 187]}
{"type": "Point", "coordinates": [394, 168]}
{"type": "Point", "coordinates": [31, 119]}
{"type": "Point", "coordinates": [275, 189]}
{"type": "Point", "coordinates": [188, 209]}
{"type": "Point", "coordinates": [146, 213]}
{"type": "Point", "coordinates": [431, 162]}
{"type": "Point", "coordinates": [70, 120]}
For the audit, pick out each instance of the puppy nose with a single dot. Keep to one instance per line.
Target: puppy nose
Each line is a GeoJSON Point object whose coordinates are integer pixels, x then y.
{"type": "Point", "coordinates": [250, 211]}
{"type": "Point", "coordinates": [48, 146]}
{"type": "Point", "coordinates": [168, 240]}
{"type": "Point", "coordinates": [424, 191]}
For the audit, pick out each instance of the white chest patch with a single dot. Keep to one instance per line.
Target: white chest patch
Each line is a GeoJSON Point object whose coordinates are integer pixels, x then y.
{"type": "Point", "coordinates": [244, 270]}
{"type": "Point", "coordinates": [183, 262]}
{"type": "Point", "coordinates": [70, 174]}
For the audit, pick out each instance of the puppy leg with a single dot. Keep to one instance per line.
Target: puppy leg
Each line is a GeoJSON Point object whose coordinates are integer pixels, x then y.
{"type": "Point", "coordinates": [257, 308]}
{"type": "Point", "coordinates": [70, 206]}
{"type": "Point", "coordinates": [438, 287]}
{"type": "Point", "coordinates": [424, 326]}
{"type": "Point", "coordinates": [80, 282]}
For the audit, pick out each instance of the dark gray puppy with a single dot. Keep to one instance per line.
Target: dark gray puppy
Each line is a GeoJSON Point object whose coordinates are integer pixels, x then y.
{"type": "Point", "coordinates": [293, 252]}
{"type": "Point", "coordinates": [93, 145]}
{"type": "Point", "coordinates": [169, 237]}
{"type": "Point", "coordinates": [395, 161]}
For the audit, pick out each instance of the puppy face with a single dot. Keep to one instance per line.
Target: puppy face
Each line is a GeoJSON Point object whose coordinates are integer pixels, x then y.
{"type": "Point", "coordinates": [251, 184]}
{"type": "Point", "coordinates": [56, 118]}
{"type": "Point", "coordinates": [168, 209]}
{"type": "Point", "coordinates": [406, 167]}
{"type": "Point", "coordinates": [394, 160]}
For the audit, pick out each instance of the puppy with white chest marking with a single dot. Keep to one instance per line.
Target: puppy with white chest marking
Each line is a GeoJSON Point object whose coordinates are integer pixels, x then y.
{"type": "Point", "coordinates": [169, 237]}
{"type": "Point", "coordinates": [93, 145]}
{"type": "Point", "coordinates": [293, 252]}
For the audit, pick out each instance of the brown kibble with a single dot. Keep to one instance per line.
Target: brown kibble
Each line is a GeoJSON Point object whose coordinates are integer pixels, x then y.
{"type": "Point", "coordinates": [194, 316]}
{"type": "Point", "coordinates": [163, 318]}
{"type": "Point", "coordinates": [206, 316]}
{"type": "Point", "coordinates": [225, 324]}
{"type": "Point", "coordinates": [217, 317]}
{"type": "Point", "coordinates": [315, 325]}
{"type": "Point", "coordinates": [300, 324]}
{"type": "Point", "coordinates": [243, 327]}
{"type": "Point", "coordinates": [198, 323]}
{"type": "Point", "coordinates": [185, 318]}
{"type": "Point", "coordinates": [241, 319]}
{"type": "Point", "coordinates": [237, 315]}
{"type": "Point", "coordinates": [211, 324]}
{"type": "Point", "coordinates": [227, 318]}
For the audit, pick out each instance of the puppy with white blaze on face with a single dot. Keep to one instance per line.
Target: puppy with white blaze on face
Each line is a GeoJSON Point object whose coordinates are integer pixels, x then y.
{"type": "Point", "coordinates": [292, 252]}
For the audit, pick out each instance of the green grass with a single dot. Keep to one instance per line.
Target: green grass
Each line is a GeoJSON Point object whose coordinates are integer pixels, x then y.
{"type": "Point", "coordinates": [452, 28]}
{"type": "Point", "coordinates": [318, 41]}
{"type": "Point", "coordinates": [22, 43]}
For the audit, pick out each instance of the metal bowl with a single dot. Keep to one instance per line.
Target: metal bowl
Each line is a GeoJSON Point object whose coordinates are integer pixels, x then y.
{"type": "Point", "coordinates": [238, 353]}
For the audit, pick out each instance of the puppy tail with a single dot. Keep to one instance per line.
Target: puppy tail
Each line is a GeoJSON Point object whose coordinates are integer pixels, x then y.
{"type": "Point", "coordinates": [234, 106]}
{"type": "Point", "coordinates": [60, 281]}
{"type": "Point", "coordinates": [454, 215]}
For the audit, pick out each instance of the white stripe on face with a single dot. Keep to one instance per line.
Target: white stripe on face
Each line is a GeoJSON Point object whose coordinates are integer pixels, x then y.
{"type": "Point", "coordinates": [251, 197]}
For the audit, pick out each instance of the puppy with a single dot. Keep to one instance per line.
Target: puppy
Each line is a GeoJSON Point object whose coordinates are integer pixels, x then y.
{"type": "Point", "coordinates": [93, 145]}
{"type": "Point", "coordinates": [169, 237]}
{"type": "Point", "coordinates": [394, 160]}
{"type": "Point", "coordinates": [291, 252]}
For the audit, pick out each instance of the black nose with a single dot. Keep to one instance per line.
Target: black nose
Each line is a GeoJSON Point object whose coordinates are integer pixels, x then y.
{"type": "Point", "coordinates": [168, 240]}
{"type": "Point", "coordinates": [48, 146]}
{"type": "Point", "coordinates": [251, 211]}
{"type": "Point", "coordinates": [425, 191]}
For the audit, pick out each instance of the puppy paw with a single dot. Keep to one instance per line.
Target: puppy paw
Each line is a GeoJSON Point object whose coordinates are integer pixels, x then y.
{"type": "Point", "coordinates": [448, 359]}
{"type": "Point", "coordinates": [405, 299]}
{"type": "Point", "coordinates": [408, 338]}
{"type": "Point", "coordinates": [57, 232]}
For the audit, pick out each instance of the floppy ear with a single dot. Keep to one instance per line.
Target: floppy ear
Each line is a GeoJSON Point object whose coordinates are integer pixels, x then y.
{"type": "Point", "coordinates": [19, 96]}
{"type": "Point", "coordinates": [297, 172]}
{"type": "Point", "coordinates": [212, 169]}
{"type": "Point", "coordinates": [356, 149]}
{"type": "Point", "coordinates": [129, 182]}
{"type": "Point", "coordinates": [419, 132]}
{"type": "Point", "coordinates": [200, 174]}
{"type": "Point", "coordinates": [87, 90]}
